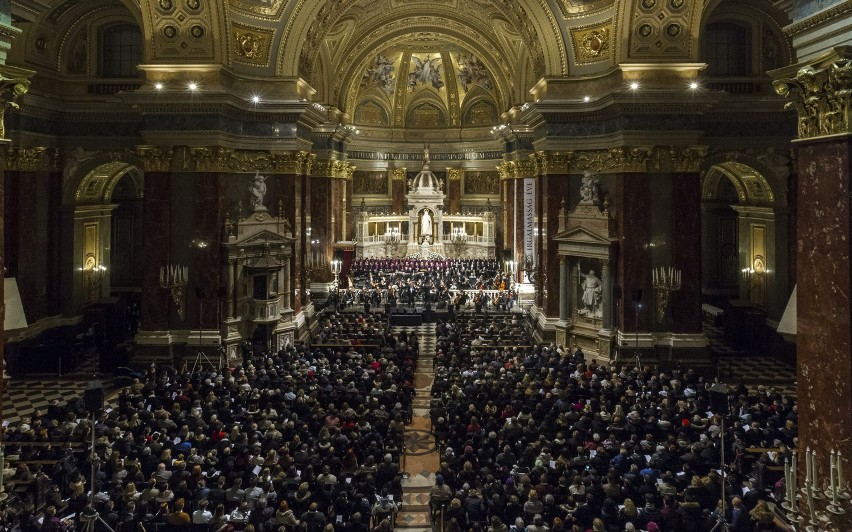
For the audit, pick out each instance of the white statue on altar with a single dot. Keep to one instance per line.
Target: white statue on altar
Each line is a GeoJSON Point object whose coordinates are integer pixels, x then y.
{"type": "Point", "coordinates": [426, 228]}
{"type": "Point", "coordinates": [592, 288]}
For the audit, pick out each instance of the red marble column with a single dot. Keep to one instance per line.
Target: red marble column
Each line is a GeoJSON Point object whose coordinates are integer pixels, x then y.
{"type": "Point", "coordinates": [518, 186]}
{"type": "Point", "coordinates": [454, 196]}
{"type": "Point", "coordinates": [632, 199]}
{"type": "Point", "coordinates": [398, 195]}
{"type": "Point", "coordinates": [209, 220]}
{"type": "Point", "coordinates": [2, 285]}
{"type": "Point", "coordinates": [349, 228]}
{"type": "Point", "coordinates": [157, 217]}
{"type": "Point", "coordinates": [685, 304]}
{"type": "Point", "coordinates": [507, 203]}
{"type": "Point", "coordinates": [555, 188]}
{"type": "Point", "coordinates": [824, 312]}
{"type": "Point", "coordinates": [322, 212]}
{"type": "Point", "coordinates": [289, 190]}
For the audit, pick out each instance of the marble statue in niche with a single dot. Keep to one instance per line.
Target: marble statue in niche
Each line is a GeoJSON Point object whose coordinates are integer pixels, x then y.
{"type": "Point", "coordinates": [590, 190]}
{"type": "Point", "coordinates": [257, 191]}
{"type": "Point", "coordinates": [592, 295]}
{"type": "Point", "coordinates": [426, 227]}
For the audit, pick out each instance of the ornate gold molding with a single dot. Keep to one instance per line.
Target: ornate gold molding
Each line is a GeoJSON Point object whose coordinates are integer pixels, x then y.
{"type": "Point", "coordinates": [455, 174]}
{"type": "Point", "coordinates": [592, 44]}
{"type": "Point", "coordinates": [821, 96]}
{"type": "Point", "coordinates": [219, 159]}
{"type": "Point", "coordinates": [14, 83]}
{"type": "Point", "coordinates": [397, 174]}
{"type": "Point", "coordinates": [155, 158]}
{"type": "Point", "coordinates": [251, 45]}
{"type": "Point", "coordinates": [332, 169]}
{"type": "Point", "coordinates": [548, 162]}
{"type": "Point", "coordinates": [687, 158]}
{"type": "Point", "coordinates": [612, 160]}
{"type": "Point", "coordinates": [32, 159]}
{"type": "Point", "coordinates": [518, 169]}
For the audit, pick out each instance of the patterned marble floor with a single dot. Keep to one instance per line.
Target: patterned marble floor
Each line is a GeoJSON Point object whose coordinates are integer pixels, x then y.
{"type": "Point", "coordinates": [421, 456]}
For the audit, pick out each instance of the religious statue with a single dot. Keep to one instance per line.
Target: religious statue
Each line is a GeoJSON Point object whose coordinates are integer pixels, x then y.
{"type": "Point", "coordinates": [426, 154]}
{"type": "Point", "coordinates": [426, 227]}
{"type": "Point", "coordinates": [589, 191]}
{"type": "Point", "coordinates": [592, 298]}
{"type": "Point", "coordinates": [257, 190]}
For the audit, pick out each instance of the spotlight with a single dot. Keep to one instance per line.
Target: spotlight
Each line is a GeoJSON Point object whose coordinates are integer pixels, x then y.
{"type": "Point", "coordinates": [693, 85]}
{"type": "Point", "coordinates": [586, 98]}
{"type": "Point", "coordinates": [193, 86]}
{"type": "Point", "coordinates": [255, 99]}
{"type": "Point", "coordinates": [158, 86]}
{"type": "Point", "coordinates": [634, 85]}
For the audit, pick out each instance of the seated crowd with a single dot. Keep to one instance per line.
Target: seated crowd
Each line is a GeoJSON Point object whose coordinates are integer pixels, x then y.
{"type": "Point", "coordinates": [534, 438]}
{"type": "Point", "coordinates": [305, 439]}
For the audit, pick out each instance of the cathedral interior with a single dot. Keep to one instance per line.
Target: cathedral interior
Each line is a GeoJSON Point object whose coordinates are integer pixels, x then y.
{"type": "Point", "coordinates": [209, 167]}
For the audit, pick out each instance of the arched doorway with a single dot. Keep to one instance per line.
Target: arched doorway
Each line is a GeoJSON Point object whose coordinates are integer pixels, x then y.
{"type": "Point", "coordinates": [102, 230]}
{"type": "Point", "coordinates": [745, 222]}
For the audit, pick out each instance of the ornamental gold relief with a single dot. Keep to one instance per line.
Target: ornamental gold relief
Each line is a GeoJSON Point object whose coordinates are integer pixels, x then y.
{"type": "Point", "coordinates": [821, 97]}
{"type": "Point", "coordinates": [251, 45]}
{"type": "Point", "coordinates": [612, 160]}
{"type": "Point", "coordinates": [552, 162]}
{"type": "Point", "coordinates": [592, 44]}
{"type": "Point", "coordinates": [455, 174]}
{"type": "Point", "coordinates": [219, 159]}
{"type": "Point", "coordinates": [267, 8]}
{"type": "Point", "coordinates": [155, 159]}
{"type": "Point", "coordinates": [32, 159]}
{"type": "Point", "coordinates": [687, 158]}
{"type": "Point", "coordinates": [397, 174]}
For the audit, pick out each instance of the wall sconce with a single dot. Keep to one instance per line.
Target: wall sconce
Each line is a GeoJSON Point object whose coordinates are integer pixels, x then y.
{"type": "Point", "coordinates": [174, 278]}
{"type": "Point", "coordinates": [665, 281]}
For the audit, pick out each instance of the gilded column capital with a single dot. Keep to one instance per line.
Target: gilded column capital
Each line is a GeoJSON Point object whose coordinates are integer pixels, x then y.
{"type": "Point", "coordinates": [155, 158]}
{"type": "Point", "coordinates": [505, 169]}
{"type": "Point", "coordinates": [612, 160]}
{"type": "Point", "coordinates": [455, 174]}
{"type": "Point", "coordinates": [220, 159]}
{"type": "Point", "coordinates": [32, 159]}
{"type": "Point", "coordinates": [14, 83]}
{"type": "Point", "coordinates": [552, 162]}
{"type": "Point", "coordinates": [821, 96]}
{"type": "Point", "coordinates": [687, 158]}
{"type": "Point", "coordinates": [397, 174]}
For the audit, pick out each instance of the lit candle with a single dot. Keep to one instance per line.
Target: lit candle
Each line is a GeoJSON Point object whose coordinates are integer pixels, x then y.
{"type": "Point", "coordinates": [810, 491]}
{"type": "Point", "coordinates": [162, 275]}
{"type": "Point", "coordinates": [793, 478]}
{"type": "Point", "coordinates": [840, 472]}
{"type": "Point", "coordinates": [808, 477]}
{"type": "Point", "coordinates": [787, 483]}
{"type": "Point", "coordinates": [813, 467]}
{"type": "Point", "coordinates": [833, 477]}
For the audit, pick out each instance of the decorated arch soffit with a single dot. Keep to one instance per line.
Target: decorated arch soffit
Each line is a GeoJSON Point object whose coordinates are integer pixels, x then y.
{"type": "Point", "coordinates": [752, 187]}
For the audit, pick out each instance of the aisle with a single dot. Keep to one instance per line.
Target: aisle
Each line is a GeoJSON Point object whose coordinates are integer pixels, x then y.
{"type": "Point", "coordinates": [421, 457]}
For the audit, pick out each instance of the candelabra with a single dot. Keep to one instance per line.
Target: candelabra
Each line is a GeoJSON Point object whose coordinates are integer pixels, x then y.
{"type": "Point", "coordinates": [666, 281]}
{"type": "Point", "coordinates": [93, 274]}
{"type": "Point", "coordinates": [458, 239]}
{"type": "Point", "coordinates": [336, 266]}
{"type": "Point", "coordinates": [392, 238]}
{"type": "Point", "coordinates": [174, 278]}
{"type": "Point", "coordinates": [834, 495]}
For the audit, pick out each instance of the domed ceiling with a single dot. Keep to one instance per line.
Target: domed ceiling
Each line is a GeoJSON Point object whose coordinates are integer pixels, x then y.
{"type": "Point", "coordinates": [426, 89]}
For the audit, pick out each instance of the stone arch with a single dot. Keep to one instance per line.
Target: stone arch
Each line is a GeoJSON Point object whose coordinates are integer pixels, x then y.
{"type": "Point", "coordinates": [745, 244]}
{"type": "Point", "coordinates": [89, 182]}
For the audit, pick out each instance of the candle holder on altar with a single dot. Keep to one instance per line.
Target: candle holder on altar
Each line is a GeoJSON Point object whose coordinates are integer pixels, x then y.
{"type": "Point", "coordinates": [174, 279]}
{"type": "Point", "coordinates": [458, 238]}
{"type": "Point", "coordinates": [665, 281]}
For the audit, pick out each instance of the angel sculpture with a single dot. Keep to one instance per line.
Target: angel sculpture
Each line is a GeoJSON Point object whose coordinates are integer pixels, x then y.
{"type": "Point", "coordinates": [257, 190]}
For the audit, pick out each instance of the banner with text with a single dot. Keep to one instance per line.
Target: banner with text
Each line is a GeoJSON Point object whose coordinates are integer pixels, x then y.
{"type": "Point", "coordinates": [529, 219]}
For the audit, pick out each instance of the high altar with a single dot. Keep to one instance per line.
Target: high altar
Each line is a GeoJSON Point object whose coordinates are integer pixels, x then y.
{"type": "Point", "coordinates": [424, 229]}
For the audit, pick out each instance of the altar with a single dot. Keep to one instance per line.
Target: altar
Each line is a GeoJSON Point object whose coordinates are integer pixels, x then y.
{"type": "Point", "coordinates": [424, 229]}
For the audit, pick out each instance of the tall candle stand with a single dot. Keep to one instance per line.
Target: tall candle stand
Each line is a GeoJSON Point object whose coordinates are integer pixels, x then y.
{"type": "Point", "coordinates": [174, 279]}
{"type": "Point", "coordinates": [665, 281]}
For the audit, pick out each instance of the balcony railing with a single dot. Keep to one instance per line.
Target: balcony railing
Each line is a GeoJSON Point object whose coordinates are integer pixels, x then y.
{"type": "Point", "coordinates": [263, 311]}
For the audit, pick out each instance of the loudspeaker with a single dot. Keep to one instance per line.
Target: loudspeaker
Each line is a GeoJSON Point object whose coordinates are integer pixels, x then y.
{"type": "Point", "coordinates": [719, 399]}
{"type": "Point", "coordinates": [93, 396]}
{"type": "Point", "coordinates": [637, 295]}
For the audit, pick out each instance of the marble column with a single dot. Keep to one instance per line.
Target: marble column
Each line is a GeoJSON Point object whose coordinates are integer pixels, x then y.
{"type": "Point", "coordinates": [819, 93]}
{"type": "Point", "coordinates": [555, 188]}
{"type": "Point", "coordinates": [453, 194]}
{"type": "Point", "coordinates": [207, 261]}
{"type": "Point", "coordinates": [634, 271]}
{"type": "Point", "coordinates": [289, 188]}
{"type": "Point", "coordinates": [288, 285]}
{"type": "Point", "coordinates": [685, 304]}
{"type": "Point", "coordinates": [322, 214]}
{"type": "Point", "coordinates": [230, 274]}
{"type": "Point", "coordinates": [606, 293]}
{"type": "Point", "coordinates": [398, 190]}
{"type": "Point", "coordinates": [157, 219]}
{"type": "Point", "coordinates": [3, 146]}
{"type": "Point", "coordinates": [564, 287]}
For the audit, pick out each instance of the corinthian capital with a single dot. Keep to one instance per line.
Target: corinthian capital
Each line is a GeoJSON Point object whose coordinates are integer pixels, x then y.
{"type": "Point", "coordinates": [14, 83]}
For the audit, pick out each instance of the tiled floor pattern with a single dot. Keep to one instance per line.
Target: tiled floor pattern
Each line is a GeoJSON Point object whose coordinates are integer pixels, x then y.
{"type": "Point", "coordinates": [738, 366]}
{"type": "Point", "coordinates": [421, 457]}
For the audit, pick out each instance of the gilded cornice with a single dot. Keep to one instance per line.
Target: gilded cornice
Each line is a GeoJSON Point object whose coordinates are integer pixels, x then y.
{"type": "Point", "coordinates": [397, 174]}
{"type": "Point", "coordinates": [155, 158]}
{"type": "Point", "coordinates": [32, 159]}
{"type": "Point", "coordinates": [219, 159]}
{"type": "Point", "coordinates": [455, 174]}
{"type": "Point", "coordinates": [819, 18]}
{"type": "Point", "coordinates": [821, 96]}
